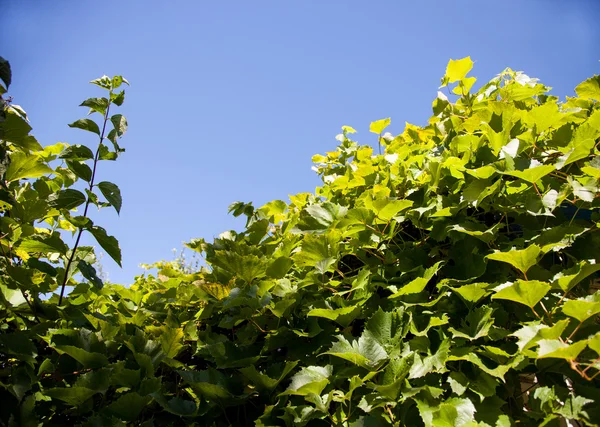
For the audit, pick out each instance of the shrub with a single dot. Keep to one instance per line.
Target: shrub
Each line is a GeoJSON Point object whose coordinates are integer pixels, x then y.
{"type": "Point", "coordinates": [448, 281]}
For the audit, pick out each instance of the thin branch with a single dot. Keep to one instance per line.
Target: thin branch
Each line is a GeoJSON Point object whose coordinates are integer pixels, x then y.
{"type": "Point", "coordinates": [85, 210]}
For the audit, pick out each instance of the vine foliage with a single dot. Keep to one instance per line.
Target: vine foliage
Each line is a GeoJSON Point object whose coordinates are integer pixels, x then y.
{"type": "Point", "coordinates": [448, 280]}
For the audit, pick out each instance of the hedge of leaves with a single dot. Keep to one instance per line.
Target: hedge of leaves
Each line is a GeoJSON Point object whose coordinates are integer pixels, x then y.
{"type": "Point", "coordinates": [448, 281]}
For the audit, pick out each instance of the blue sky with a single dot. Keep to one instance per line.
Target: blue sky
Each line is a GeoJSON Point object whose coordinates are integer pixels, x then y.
{"type": "Point", "coordinates": [229, 100]}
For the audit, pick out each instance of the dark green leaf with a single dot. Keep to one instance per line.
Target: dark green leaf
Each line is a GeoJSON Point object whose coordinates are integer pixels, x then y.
{"type": "Point", "coordinates": [279, 267]}
{"type": "Point", "coordinates": [86, 358]}
{"type": "Point", "coordinates": [128, 407]}
{"type": "Point", "coordinates": [66, 199]}
{"type": "Point", "coordinates": [89, 272]}
{"type": "Point", "coordinates": [119, 123]}
{"type": "Point", "coordinates": [112, 194]}
{"type": "Point", "coordinates": [5, 72]}
{"type": "Point", "coordinates": [108, 243]}
{"type": "Point", "coordinates": [80, 169]}
{"type": "Point", "coordinates": [98, 105]}
{"type": "Point", "coordinates": [86, 124]}
{"type": "Point", "coordinates": [77, 152]}
{"type": "Point", "coordinates": [74, 396]}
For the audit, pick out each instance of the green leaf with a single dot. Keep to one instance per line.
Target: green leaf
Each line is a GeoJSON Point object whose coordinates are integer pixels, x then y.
{"type": "Point", "coordinates": [5, 72]}
{"type": "Point", "coordinates": [112, 194]}
{"type": "Point", "coordinates": [74, 396]}
{"type": "Point", "coordinates": [386, 209]}
{"type": "Point", "coordinates": [47, 245]}
{"type": "Point", "coordinates": [77, 152]}
{"type": "Point", "coordinates": [559, 349]}
{"type": "Point", "coordinates": [532, 332]}
{"type": "Point", "coordinates": [583, 308]}
{"type": "Point", "coordinates": [528, 293]}
{"type": "Point", "coordinates": [171, 341]}
{"type": "Point", "coordinates": [387, 328]}
{"type": "Point", "coordinates": [66, 199]}
{"type": "Point", "coordinates": [435, 362]}
{"type": "Point", "coordinates": [532, 175]}
{"type": "Point", "coordinates": [310, 380]}
{"type": "Point", "coordinates": [417, 285]}
{"type": "Point", "coordinates": [586, 192]}
{"type": "Point", "coordinates": [89, 360]}
{"type": "Point", "coordinates": [18, 343]}
{"type": "Point", "coordinates": [120, 124]}
{"type": "Point", "coordinates": [24, 166]}
{"type": "Point", "coordinates": [118, 80]}
{"type": "Point", "coordinates": [279, 267]}
{"type": "Point", "coordinates": [89, 272]}
{"type": "Point", "coordinates": [86, 124]}
{"type": "Point", "coordinates": [118, 98]}
{"type": "Point", "coordinates": [264, 382]}
{"type": "Point", "coordinates": [458, 382]}
{"type": "Point", "coordinates": [210, 383]}
{"type": "Point", "coordinates": [379, 125]}
{"type": "Point", "coordinates": [80, 169]}
{"type": "Point", "coordinates": [326, 213]}
{"type": "Point", "coordinates": [568, 279]}
{"type": "Point", "coordinates": [594, 343]}
{"type": "Point", "coordinates": [589, 89]}
{"type": "Point", "coordinates": [128, 406]}
{"type": "Point", "coordinates": [454, 412]}
{"type": "Point", "coordinates": [458, 69]}
{"type": "Point", "coordinates": [106, 154]}
{"type": "Point", "coordinates": [315, 249]}
{"type": "Point", "coordinates": [344, 316]}
{"type": "Point", "coordinates": [108, 243]}
{"type": "Point", "coordinates": [473, 292]}
{"type": "Point", "coordinates": [478, 230]}
{"type": "Point", "coordinates": [176, 405]}
{"type": "Point", "coordinates": [365, 352]}
{"type": "Point", "coordinates": [522, 259]}
{"type": "Point", "coordinates": [578, 149]}
{"type": "Point", "coordinates": [98, 105]}
{"type": "Point", "coordinates": [15, 129]}
{"type": "Point", "coordinates": [104, 82]}
{"type": "Point", "coordinates": [246, 267]}
{"type": "Point", "coordinates": [476, 325]}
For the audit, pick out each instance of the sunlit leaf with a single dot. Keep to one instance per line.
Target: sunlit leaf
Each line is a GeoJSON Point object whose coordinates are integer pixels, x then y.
{"type": "Point", "coordinates": [378, 126]}
{"type": "Point", "coordinates": [457, 69]}
{"type": "Point", "coordinates": [521, 259]}
{"type": "Point", "coordinates": [524, 292]}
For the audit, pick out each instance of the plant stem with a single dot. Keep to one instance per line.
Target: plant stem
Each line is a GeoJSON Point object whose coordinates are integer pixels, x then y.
{"type": "Point", "coordinates": [85, 209]}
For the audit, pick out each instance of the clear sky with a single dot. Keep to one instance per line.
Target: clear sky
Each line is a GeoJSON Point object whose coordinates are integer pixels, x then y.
{"type": "Point", "coordinates": [230, 99]}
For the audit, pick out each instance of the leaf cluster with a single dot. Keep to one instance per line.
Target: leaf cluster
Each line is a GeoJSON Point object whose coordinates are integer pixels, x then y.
{"type": "Point", "coordinates": [451, 280]}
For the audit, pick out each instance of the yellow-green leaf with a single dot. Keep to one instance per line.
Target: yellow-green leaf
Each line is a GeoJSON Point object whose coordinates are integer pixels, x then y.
{"type": "Point", "coordinates": [526, 292]}
{"type": "Point", "coordinates": [378, 126]}
{"type": "Point", "coordinates": [522, 259]}
{"type": "Point", "coordinates": [171, 341]}
{"type": "Point", "coordinates": [457, 69]}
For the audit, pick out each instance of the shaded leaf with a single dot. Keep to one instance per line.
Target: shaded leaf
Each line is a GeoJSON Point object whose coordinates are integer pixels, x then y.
{"type": "Point", "coordinates": [112, 194]}
{"type": "Point", "coordinates": [108, 243]}
{"type": "Point", "coordinates": [86, 124]}
{"type": "Point", "coordinates": [66, 199]}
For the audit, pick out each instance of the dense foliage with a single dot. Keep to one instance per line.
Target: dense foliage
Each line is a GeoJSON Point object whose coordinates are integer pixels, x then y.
{"type": "Point", "coordinates": [448, 281]}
